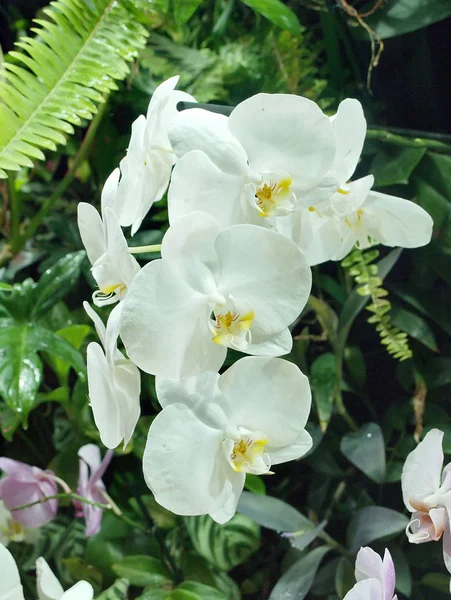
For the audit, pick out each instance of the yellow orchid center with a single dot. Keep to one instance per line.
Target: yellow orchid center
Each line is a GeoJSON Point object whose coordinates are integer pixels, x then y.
{"type": "Point", "coordinates": [231, 324]}
{"type": "Point", "coordinates": [246, 452]}
{"type": "Point", "coordinates": [274, 197]}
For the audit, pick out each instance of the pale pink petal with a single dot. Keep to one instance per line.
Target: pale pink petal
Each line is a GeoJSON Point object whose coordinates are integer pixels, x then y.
{"type": "Point", "coordinates": [367, 589]}
{"type": "Point", "coordinates": [389, 580]}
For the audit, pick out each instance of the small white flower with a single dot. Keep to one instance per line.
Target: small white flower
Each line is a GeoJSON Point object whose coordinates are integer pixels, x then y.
{"type": "Point", "coordinates": [214, 429]}
{"type": "Point", "coordinates": [48, 586]}
{"type": "Point", "coordinates": [375, 577]}
{"type": "Point", "coordinates": [113, 381]}
{"type": "Point", "coordinates": [113, 267]}
{"type": "Point", "coordinates": [146, 168]}
{"type": "Point", "coordinates": [356, 215]}
{"type": "Point", "coordinates": [238, 288]}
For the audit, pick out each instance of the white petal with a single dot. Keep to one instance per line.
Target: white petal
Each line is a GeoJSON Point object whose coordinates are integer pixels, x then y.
{"type": "Point", "coordinates": [183, 463]}
{"type": "Point", "coordinates": [48, 586]}
{"type": "Point", "coordinates": [98, 323]}
{"type": "Point", "coordinates": [111, 335]}
{"type": "Point", "coordinates": [270, 395]}
{"type": "Point", "coordinates": [91, 231]}
{"type": "Point", "coordinates": [369, 589]}
{"type": "Point", "coordinates": [281, 131]}
{"type": "Point", "coordinates": [368, 565]}
{"type": "Point", "coordinates": [165, 324]}
{"type": "Point", "coordinates": [10, 586]}
{"type": "Point", "coordinates": [200, 394]}
{"type": "Point", "coordinates": [198, 129]}
{"type": "Point", "coordinates": [398, 222]}
{"type": "Point", "coordinates": [323, 239]}
{"type": "Point", "coordinates": [109, 192]}
{"type": "Point", "coordinates": [266, 270]}
{"type": "Point", "coordinates": [198, 185]}
{"type": "Point", "coordinates": [102, 397]}
{"type": "Point", "coordinates": [80, 591]}
{"type": "Point", "coordinates": [227, 511]}
{"type": "Point", "coordinates": [295, 450]}
{"type": "Point", "coordinates": [423, 467]}
{"type": "Point", "coordinates": [276, 344]}
{"type": "Point", "coordinates": [389, 576]}
{"type": "Point", "coordinates": [127, 388]}
{"type": "Point", "coordinates": [350, 129]}
{"type": "Point", "coordinates": [124, 263]}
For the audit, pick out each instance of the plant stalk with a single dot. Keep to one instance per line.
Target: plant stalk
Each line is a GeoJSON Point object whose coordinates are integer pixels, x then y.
{"type": "Point", "coordinates": [143, 249]}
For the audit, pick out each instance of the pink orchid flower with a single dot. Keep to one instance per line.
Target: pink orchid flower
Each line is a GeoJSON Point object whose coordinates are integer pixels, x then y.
{"type": "Point", "coordinates": [375, 577]}
{"type": "Point", "coordinates": [426, 490]}
{"type": "Point", "coordinates": [91, 486]}
{"type": "Point", "coordinates": [24, 484]}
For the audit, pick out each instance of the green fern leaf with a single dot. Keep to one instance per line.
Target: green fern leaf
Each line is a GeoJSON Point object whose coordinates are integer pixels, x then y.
{"type": "Point", "coordinates": [61, 74]}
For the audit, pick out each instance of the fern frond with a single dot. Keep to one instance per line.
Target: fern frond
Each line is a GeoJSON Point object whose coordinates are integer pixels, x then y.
{"type": "Point", "coordinates": [61, 74]}
{"type": "Point", "coordinates": [360, 266]}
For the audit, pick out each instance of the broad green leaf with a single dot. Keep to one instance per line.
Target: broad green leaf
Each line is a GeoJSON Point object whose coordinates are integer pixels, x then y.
{"type": "Point", "coordinates": [437, 372]}
{"type": "Point", "coordinates": [142, 570]}
{"type": "Point", "coordinates": [297, 581]}
{"type": "Point", "coordinates": [355, 364]}
{"type": "Point", "coordinates": [78, 570]}
{"type": "Point", "coordinates": [401, 16]}
{"type": "Point", "coordinates": [255, 484]}
{"type": "Point", "coordinates": [75, 336]}
{"type": "Point", "coordinates": [45, 340]}
{"type": "Point", "coordinates": [372, 523]}
{"type": "Point", "coordinates": [395, 165]}
{"type": "Point", "coordinates": [414, 325]}
{"type": "Point", "coordinates": [200, 591]}
{"type": "Point", "coordinates": [185, 9]}
{"type": "Point", "coordinates": [55, 283]}
{"type": "Point", "coordinates": [436, 581]}
{"type": "Point", "coordinates": [433, 202]}
{"type": "Point", "coordinates": [365, 449]}
{"type": "Point", "coordinates": [273, 513]}
{"type": "Point", "coordinates": [118, 591]}
{"type": "Point", "coordinates": [5, 286]}
{"type": "Point", "coordinates": [403, 577]}
{"type": "Point", "coordinates": [9, 421]}
{"type": "Point", "coordinates": [344, 577]}
{"type": "Point", "coordinates": [224, 546]}
{"type": "Point", "coordinates": [323, 377]}
{"type": "Point", "coordinates": [276, 12]}
{"type": "Point", "coordinates": [303, 538]}
{"type": "Point", "coordinates": [156, 594]}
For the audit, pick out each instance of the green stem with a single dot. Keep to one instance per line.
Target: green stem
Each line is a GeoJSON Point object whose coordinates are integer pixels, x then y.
{"type": "Point", "coordinates": [14, 208]}
{"type": "Point", "coordinates": [72, 495]}
{"type": "Point", "coordinates": [332, 543]}
{"type": "Point", "coordinates": [342, 408]}
{"type": "Point", "coordinates": [64, 183]}
{"type": "Point", "coordinates": [143, 249]}
{"type": "Point", "coordinates": [409, 142]}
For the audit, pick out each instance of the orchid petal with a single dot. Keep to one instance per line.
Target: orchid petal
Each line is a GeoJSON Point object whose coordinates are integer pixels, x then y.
{"type": "Point", "coordinates": [80, 591]}
{"type": "Point", "coordinates": [98, 323]}
{"type": "Point", "coordinates": [389, 577]}
{"type": "Point", "coordinates": [369, 565]}
{"type": "Point", "coordinates": [300, 446]}
{"type": "Point", "coordinates": [398, 222]}
{"type": "Point", "coordinates": [198, 185]}
{"type": "Point", "coordinates": [277, 398]}
{"type": "Point", "coordinates": [447, 547]}
{"type": "Point", "coordinates": [91, 231]}
{"type": "Point", "coordinates": [227, 511]}
{"type": "Point", "coordinates": [273, 275]}
{"type": "Point", "coordinates": [198, 129]}
{"type": "Point", "coordinates": [283, 131]}
{"type": "Point", "coordinates": [48, 586]}
{"type": "Point", "coordinates": [127, 385]}
{"type": "Point", "coordinates": [276, 344]}
{"type": "Point", "coordinates": [183, 463]}
{"type": "Point", "coordinates": [367, 589]}
{"type": "Point", "coordinates": [19, 470]}
{"type": "Point", "coordinates": [10, 586]}
{"type": "Point", "coordinates": [15, 493]}
{"type": "Point", "coordinates": [422, 469]}
{"type": "Point", "coordinates": [109, 191]}
{"type": "Point", "coordinates": [349, 124]}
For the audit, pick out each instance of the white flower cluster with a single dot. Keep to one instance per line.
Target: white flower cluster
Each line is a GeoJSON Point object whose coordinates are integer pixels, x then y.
{"type": "Point", "coordinates": [254, 200]}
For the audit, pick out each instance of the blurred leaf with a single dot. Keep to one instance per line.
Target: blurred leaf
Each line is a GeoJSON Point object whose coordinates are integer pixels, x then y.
{"type": "Point", "coordinates": [224, 546]}
{"type": "Point", "coordinates": [395, 165]}
{"type": "Point", "coordinates": [276, 12]}
{"type": "Point", "coordinates": [197, 591]}
{"type": "Point", "coordinates": [437, 372]}
{"type": "Point", "coordinates": [255, 484]}
{"type": "Point", "coordinates": [184, 10]}
{"type": "Point", "coordinates": [402, 16]}
{"type": "Point", "coordinates": [323, 377]}
{"type": "Point", "coordinates": [355, 364]}
{"type": "Point", "coordinates": [118, 591]}
{"type": "Point", "coordinates": [55, 283]}
{"type": "Point", "coordinates": [326, 316]}
{"type": "Point", "coordinates": [303, 538]}
{"type": "Point", "coordinates": [273, 513]}
{"type": "Point", "coordinates": [78, 570]}
{"type": "Point", "coordinates": [414, 325]}
{"type": "Point", "coordinates": [344, 577]}
{"type": "Point", "coordinates": [403, 577]}
{"type": "Point", "coordinates": [372, 523]}
{"type": "Point", "coordinates": [297, 581]}
{"type": "Point", "coordinates": [365, 449]}
{"type": "Point", "coordinates": [433, 202]}
{"type": "Point", "coordinates": [9, 421]}
{"type": "Point", "coordinates": [436, 581]}
{"type": "Point", "coordinates": [75, 336]}
{"type": "Point", "coordinates": [142, 570]}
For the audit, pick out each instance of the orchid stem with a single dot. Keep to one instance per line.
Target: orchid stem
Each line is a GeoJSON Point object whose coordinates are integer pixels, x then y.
{"type": "Point", "coordinates": [72, 495]}
{"type": "Point", "coordinates": [143, 249]}
{"type": "Point", "coordinates": [334, 545]}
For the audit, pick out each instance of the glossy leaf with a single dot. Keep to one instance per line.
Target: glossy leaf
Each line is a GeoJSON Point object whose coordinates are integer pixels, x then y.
{"type": "Point", "coordinates": [365, 449]}
{"type": "Point", "coordinates": [323, 376]}
{"type": "Point", "coordinates": [372, 523]}
{"type": "Point", "coordinates": [184, 10]}
{"type": "Point", "coordinates": [142, 570]}
{"type": "Point", "coordinates": [118, 591]}
{"type": "Point", "coordinates": [395, 165]}
{"type": "Point", "coordinates": [344, 577]}
{"type": "Point", "coordinates": [255, 484]}
{"type": "Point", "coordinates": [273, 513]}
{"type": "Point", "coordinates": [297, 581]}
{"type": "Point", "coordinates": [197, 591]}
{"type": "Point", "coordinates": [276, 12]}
{"type": "Point", "coordinates": [403, 576]}
{"type": "Point", "coordinates": [414, 325]}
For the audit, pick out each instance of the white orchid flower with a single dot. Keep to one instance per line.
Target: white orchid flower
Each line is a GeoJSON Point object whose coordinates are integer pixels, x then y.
{"type": "Point", "coordinates": [375, 577]}
{"type": "Point", "coordinates": [214, 429]}
{"type": "Point", "coordinates": [146, 169]}
{"type": "Point", "coordinates": [114, 383]}
{"type": "Point", "coordinates": [48, 586]}
{"type": "Point", "coordinates": [239, 288]}
{"type": "Point", "coordinates": [426, 490]}
{"type": "Point", "coordinates": [266, 161]}
{"type": "Point", "coordinates": [113, 267]}
{"type": "Point", "coordinates": [356, 215]}
{"type": "Point", "coordinates": [13, 531]}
